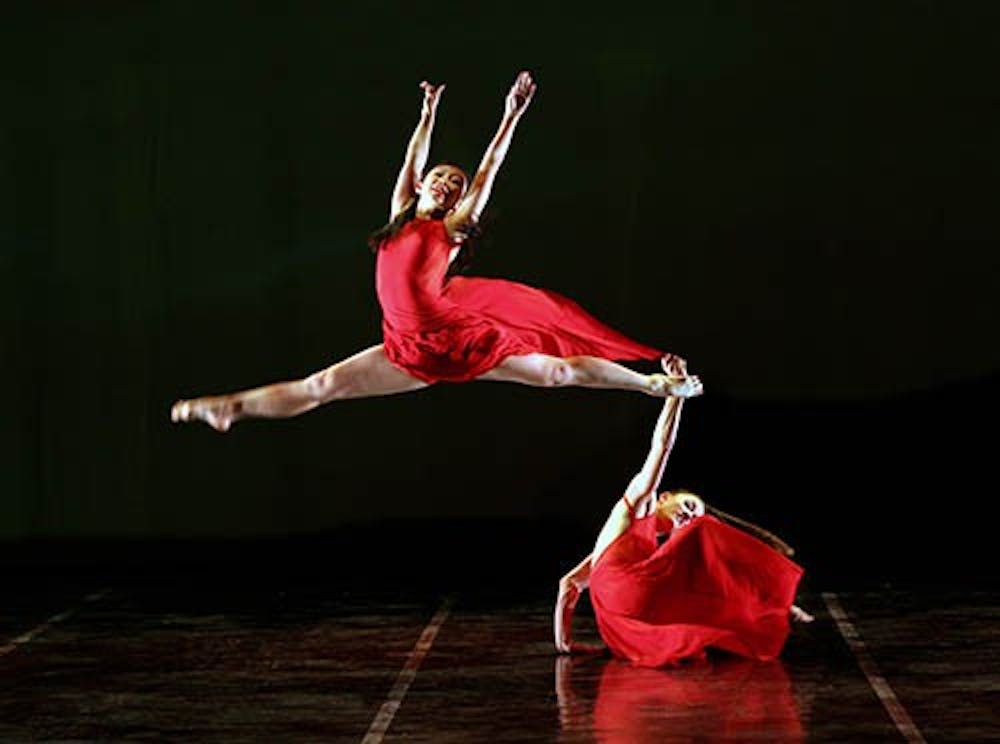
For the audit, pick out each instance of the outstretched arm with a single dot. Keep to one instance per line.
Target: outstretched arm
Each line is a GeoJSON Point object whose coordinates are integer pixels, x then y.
{"type": "Point", "coordinates": [471, 207]}
{"type": "Point", "coordinates": [417, 151]}
{"type": "Point", "coordinates": [643, 484]}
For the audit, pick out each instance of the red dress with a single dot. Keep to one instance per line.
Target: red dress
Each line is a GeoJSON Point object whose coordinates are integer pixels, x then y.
{"type": "Point", "coordinates": [709, 585]}
{"type": "Point", "coordinates": [454, 329]}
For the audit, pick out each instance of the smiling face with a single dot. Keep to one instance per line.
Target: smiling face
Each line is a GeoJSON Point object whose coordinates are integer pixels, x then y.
{"type": "Point", "coordinates": [679, 507]}
{"type": "Point", "coordinates": [441, 189]}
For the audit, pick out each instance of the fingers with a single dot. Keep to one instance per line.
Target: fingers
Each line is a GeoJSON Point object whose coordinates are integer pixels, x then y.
{"type": "Point", "coordinates": [696, 387]}
{"type": "Point", "coordinates": [682, 384]}
{"type": "Point", "coordinates": [180, 411]}
{"type": "Point", "coordinates": [431, 92]}
{"type": "Point", "coordinates": [521, 91]}
{"type": "Point", "coordinates": [524, 87]}
{"type": "Point", "coordinates": [529, 94]}
{"type": "Point", "coordinates": [685, 386]}
{"type": "Point", "coordinates": [674, 365]}
{"type": "Point", "coordinates": [524, 84]}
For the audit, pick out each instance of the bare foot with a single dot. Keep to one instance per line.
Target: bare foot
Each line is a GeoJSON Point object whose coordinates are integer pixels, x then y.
{"type": "Point", "coordinates": [216, 412]}
{"type": "Point", "coordinates": [798, 615]}
{"type": "Point", "coordinates": [679, 386]}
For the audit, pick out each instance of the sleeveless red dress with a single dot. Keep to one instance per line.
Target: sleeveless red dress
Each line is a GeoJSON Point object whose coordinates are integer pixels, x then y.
{"type": "Point", "coordinates": [442, 329]}
{"type": "Point", "coordinates": [709, 585]}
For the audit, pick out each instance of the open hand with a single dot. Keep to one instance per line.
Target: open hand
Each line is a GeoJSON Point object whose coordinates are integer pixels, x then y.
{"type": "Point", "coordinates": [680, 383]}
{"type": "Point", "coordinates": [662, 386]}
{"type": "Point", "coordinates": [686, 387]}
{"type": "Point", "coordinates": [432, 94]}
{"type": "Point", "coordinates": [520, 95]}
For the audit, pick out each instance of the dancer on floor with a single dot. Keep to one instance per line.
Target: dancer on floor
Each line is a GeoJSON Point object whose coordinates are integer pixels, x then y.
{"type": "Point", "coordinates": [708, 585]}
{"type": "Point", "coordinates": [441, 328]}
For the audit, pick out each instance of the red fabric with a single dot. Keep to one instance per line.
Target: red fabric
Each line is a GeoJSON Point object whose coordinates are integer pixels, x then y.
{"type": "Point", "coordinates": [455, 329]}
{"type": "Point", "coordinates": [709, 585]}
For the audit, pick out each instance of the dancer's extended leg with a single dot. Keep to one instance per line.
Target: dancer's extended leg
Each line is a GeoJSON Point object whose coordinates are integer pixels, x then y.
{"type": "Point", "coordinates": [367, 373]}
{"type": "Point", "coordinates": [543, 370]}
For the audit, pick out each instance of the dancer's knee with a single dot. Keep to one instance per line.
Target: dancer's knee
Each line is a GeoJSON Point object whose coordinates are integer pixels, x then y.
{"type": "Point", "coordinates": [559, 372]}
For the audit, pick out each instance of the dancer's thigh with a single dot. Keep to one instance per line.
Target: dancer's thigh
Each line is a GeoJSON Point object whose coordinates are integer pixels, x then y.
{"type": "Point", "coordinates": [527, 369]}
{"type": "Point", "coordinates": [367, 373]}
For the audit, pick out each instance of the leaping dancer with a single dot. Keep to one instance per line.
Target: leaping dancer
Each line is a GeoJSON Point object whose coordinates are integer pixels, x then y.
{"type": "Point", "coordinates": [441, 328]}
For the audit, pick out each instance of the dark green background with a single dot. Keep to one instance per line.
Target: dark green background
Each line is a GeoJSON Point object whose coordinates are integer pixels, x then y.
{"type": "Point", "coordinates": [798, 197]}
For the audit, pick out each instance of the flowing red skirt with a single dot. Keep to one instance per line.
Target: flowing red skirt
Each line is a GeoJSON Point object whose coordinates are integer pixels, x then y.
{"type": "Point", "coordinates": [456, 329]}
{"type": "Point", "coordinates": [709, 585]}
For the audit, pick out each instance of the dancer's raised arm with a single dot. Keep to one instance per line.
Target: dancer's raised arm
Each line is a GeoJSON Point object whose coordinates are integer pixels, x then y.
{"type": "Point", "coordinates": [471, 207]}
{"type": "Point", "coordinates": [643, 484]}
{"type": "Point", "coordinates": [417, 151]}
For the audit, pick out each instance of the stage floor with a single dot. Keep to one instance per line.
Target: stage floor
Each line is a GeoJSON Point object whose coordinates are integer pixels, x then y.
{"type": "Point", "coordinates": [199, 656]}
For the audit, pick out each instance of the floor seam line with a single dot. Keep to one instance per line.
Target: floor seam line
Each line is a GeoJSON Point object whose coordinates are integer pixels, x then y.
{"type": "Point", "coordinates": [898, 714]}
{"type": "Point", "coordinates": [383, 718]}
{"type": "Point", "coordinates": [28, 636]}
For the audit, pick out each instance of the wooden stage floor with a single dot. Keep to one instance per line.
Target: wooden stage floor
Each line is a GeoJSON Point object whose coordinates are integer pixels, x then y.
{"type": "Point", "coordinates": [203, 656]}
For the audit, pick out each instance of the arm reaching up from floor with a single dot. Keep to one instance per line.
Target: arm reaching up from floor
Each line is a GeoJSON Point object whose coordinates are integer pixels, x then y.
{"type": "Point", "coordinates": [643, 484]}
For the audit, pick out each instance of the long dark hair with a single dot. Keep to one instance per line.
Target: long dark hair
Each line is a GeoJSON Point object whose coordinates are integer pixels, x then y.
{"type": "Point", "coordinates": [754, 529]}
{"type": "Point", "coordinates": [391, 228]}
{"type": "Point", "coordinates": [470, 236]}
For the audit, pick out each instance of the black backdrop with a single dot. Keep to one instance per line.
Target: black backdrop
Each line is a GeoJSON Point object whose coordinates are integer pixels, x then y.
{"type": "Point", "coordinates": [799, 198]}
